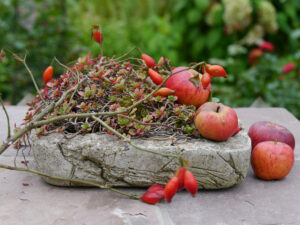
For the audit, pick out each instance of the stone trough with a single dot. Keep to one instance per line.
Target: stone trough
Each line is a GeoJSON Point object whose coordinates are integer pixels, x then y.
{"type": "Point", "coordinates": [109, 160]}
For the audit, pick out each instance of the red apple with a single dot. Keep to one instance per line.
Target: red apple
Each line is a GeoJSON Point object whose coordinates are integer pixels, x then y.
{"type": "Point", "coordinates": [267, 131]}
{"type": "Point", "coordinates": [216, 121]}
{"type": "Point", "coordinates": [272, 160]}
{"type": "Point", "coordinates": [187, 86]}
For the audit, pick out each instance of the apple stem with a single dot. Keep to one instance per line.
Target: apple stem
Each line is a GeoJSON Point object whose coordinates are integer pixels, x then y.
{"type": "Point", "coordinates": [218, 108]}
{"type": "Point", "coordinates": [276, 140]}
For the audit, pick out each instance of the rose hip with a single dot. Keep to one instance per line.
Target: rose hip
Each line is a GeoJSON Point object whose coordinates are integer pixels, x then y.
{"type": "Point", "coordinates": [180, 174]}
{"type": "Point", "coordinates": [151, 198]}
{"type": "Point", "coordinates": [164, 92]}
{"type": "Point", "coordinates": [216, 71]}
{"type": "Point", "coordinates": [171, 188]}
{"type": "Point", "coordinates": [205, 80]}
{"type": "Point", "coordinates": [190, 183]}
{"type": "Point", "coordinates": [148, 60]}
{"type": "Point", "coordinates": [155, 76]}
{"type": "Point", "coordinates": [47, 75]}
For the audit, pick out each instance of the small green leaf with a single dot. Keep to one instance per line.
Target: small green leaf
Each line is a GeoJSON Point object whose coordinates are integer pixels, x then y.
{"type": "Point", "coordinates": [214, 99]}
{"type": "Point", "coordinates": [85, 125]}
{"type": "Point", "coordinates": [172, 98]}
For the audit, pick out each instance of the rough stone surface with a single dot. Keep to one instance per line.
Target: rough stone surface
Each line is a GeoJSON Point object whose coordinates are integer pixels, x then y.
{"type": "Point", "coordinates": [108, 160]}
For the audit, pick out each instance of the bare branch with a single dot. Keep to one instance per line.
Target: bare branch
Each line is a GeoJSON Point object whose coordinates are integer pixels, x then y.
{"type": "Point", "coordinates": [90, 183]}
{"type": "Point", "coordinates": [7, 117]}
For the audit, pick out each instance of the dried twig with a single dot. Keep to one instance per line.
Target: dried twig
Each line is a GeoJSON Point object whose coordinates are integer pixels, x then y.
{"type": "Point", "coordinates": [7, 117]}
{"type": "Point", "coordinates": [77, 181]}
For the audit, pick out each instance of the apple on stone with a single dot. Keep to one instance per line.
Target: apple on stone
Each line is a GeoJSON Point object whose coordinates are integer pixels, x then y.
{"type": "Point", "coordinates": [272, 160]}
{"type": "Point", "coordinates": [216, 121]}
{"type": "Point", "coordinates": [268, 131]}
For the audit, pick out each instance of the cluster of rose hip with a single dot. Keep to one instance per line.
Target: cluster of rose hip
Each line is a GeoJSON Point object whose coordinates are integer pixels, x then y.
{"type": "Point", "coordinates": [182, 178]}
{"type": "Point", "coordinates": [256, 53]}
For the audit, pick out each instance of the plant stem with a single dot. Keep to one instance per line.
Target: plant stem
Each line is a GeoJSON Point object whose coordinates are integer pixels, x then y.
{"type": "Point", "coordinates": [7, 117]}
{"type": "Point", "coordinates": [64, 66]}
{"type": "Point", "coordinates": [70, 180]}
{"type": "Point", "coordinates": [33, 80]}
{"type": "Point", "coordinates": [126, 54]}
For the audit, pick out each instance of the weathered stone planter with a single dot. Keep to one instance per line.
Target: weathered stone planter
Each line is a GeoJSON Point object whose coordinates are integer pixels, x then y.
{"type": "Point", "coordinates": [107, 159]}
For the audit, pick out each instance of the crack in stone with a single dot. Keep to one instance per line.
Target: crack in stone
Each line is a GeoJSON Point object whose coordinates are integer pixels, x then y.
{"type": "Point", "coordinates": [72, 173]}
{"type": "Point", "coordinates": [68, 159]}
{"type": "Point", "coordinates": [232, 165]}
{"type": "Point", "coordinates": [162, 168]}
{"type": "Point", "coordinates": [98, 165]}
{"type": "Point", "coordinates": [214, 175]}
{"type": "Point", "coordinates": [103, 174]}
{"type": "Point", "coordinates": [206, 169]}
{"type": "Point", "coordinates": [241, 176]}
{"type": "Point", "coordinates": [215, 181]}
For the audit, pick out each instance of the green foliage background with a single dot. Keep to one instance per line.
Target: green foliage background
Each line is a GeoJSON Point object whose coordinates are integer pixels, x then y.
{"type": "Point", "coordinates": [183, 31]}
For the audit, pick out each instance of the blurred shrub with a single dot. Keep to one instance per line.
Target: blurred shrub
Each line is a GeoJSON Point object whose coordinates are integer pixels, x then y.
{"type": "Point", "coordinates": [41, 28]}
{"type": "Point", "coordinates": [221, 31]}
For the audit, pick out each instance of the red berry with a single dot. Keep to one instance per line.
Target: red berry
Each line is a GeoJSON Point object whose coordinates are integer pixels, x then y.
{"type": "Point", "coordinates": [47, 75]}
{"type": "Point", "coordinates": [148, 60]}
{"type": "Point", "coordinates": [155, 188]}
{"type": "Point", "coordinates": [288, 67]}
{"type": "Point", "coordinates": [155, 76]}
{"type": "Point", "coordinates": [267, 46]}
{"type": "Point", "coordinates": [164, 92]}
{"type": "Point", "coordinates": [171, 188]}
{"type": "Point", "coordinates": [151, 198]}
{"type": "Point", "coordinates": [98, 37]}
{"type": "Point", "coordinates": [158, 189]}
{"type": "Point", "coordinates": [254, 56]}
{"type": "Point", "coordinates": [180, 174]}
{"type": "Point", "coordinates": [205, 80]}
{"type": "Point", "coordinates": [190, 183]}
{"type": "Point", "coordinates": [216, 71]}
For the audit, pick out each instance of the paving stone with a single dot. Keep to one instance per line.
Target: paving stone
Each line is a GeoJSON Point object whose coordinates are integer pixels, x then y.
{"type": "Point", "coordinates": [252, 202]}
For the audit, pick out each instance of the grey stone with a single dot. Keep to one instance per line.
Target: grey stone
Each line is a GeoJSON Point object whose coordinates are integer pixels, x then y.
{"type": "Point", "coordinates": [27, 98]}
{"type": "Point", "coordinates": [258, 103]}
{"type": "Point", "coordinates": [109, 160]}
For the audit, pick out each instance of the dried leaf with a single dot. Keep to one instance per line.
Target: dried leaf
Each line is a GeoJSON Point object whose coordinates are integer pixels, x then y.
{"type": "Point", "coordinates": [2, 56]}
{"type": "Point", "coordinates": [17, 57]}
{"type": "Point", "coordinates": [186, 163]}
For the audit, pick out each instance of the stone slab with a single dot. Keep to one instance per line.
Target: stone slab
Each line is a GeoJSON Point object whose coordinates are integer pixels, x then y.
{"type": "Point", "coordinates": [250, 203]}
{"type": "Point", "coordinates": [108, 160]}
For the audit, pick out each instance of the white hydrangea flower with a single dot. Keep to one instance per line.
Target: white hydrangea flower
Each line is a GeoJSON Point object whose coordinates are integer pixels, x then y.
{"type": "Point", "coordinates": [254, 36]}
{"type": "Point", "coordinates": [267, 16]}
{"type": "Point", "coordinates": [237, 15]}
